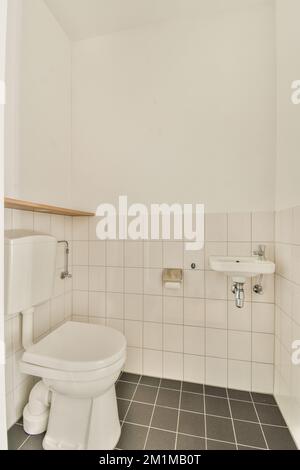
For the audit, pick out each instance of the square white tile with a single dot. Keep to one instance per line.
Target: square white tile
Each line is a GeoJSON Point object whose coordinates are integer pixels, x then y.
{"type": "Point", "coordinates": [115, 253]}
{"type": "Point", "coordinates": [173, 366]}
{"type": "Point", "coordinates": [97, 253]}
{"type": "Point", "coordinates": [263, 348]}
{"type": "Point", "coordinates": [194, 340]}
{"type": "Point", "coordinates": [114, 279]}
{"type": "Point", "coordinates": [173, 310]}
{"type": "Point", "coordinates": [134, 254]}
{"type": "Point", "coordinates": [194, 312]}
{"type": "Point", "coordinates": [239, 345]}
{"type": "Point", "coordinates": [152, 363]}
{"type": "Point", "coordinates": [134, 280]}
{"type": "Point", "coordinates": [216, 314]}
{"type": "Point", "coordinates": [153, 308]}
{"type": "Point", "coordinates": [97, 279]}
{"type": "Point", "coordinates": [114, 305]}
{"type": "Point", "coordinates": [133, 308]}
{"type": "Point", "coordinates": [239, 227]}
{"type": "Point", "coordinates": [216, 343]}
{"type": "Point", "coordinates": [134, 333]}
{"type": "Point", "coordinates": [216, 372]}
{"type": "Point", "coordinates": [153, 336]}
{"type": "Point", "coordinates": [216, 227]}
{"type": "Point", "coordinates": [194, 284]}
{"type": "Point", "coordinates": [194, 368]}
{"type": "Point", "coordinates": [173, 338]}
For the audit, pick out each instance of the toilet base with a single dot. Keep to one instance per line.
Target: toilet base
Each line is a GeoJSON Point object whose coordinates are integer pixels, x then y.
{"type": "Point", "coordinates": [83, 423]}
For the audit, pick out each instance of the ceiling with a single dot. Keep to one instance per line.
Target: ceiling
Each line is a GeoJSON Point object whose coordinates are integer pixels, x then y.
{"type": "Point", "coordinates": [82, 19]}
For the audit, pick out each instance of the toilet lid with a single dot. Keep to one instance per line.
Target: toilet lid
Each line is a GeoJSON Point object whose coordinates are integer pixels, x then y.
{"type": "Point", "coordinates": [78, 347]}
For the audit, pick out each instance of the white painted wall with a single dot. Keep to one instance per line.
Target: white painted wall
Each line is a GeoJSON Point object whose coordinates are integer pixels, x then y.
{"type": "Point", "coordinates": [287, 374]}
{"type": "Point", "coordinates": [178, 111]}
{"type": "Point", "coordinates": [38, 139]}
{"type": "Point", "coordinates": [288, 114]}
{"type": "Point", "coordinates": [3, 24]}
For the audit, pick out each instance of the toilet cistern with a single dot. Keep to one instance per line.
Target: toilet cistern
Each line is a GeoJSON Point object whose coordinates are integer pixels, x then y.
{"type": "Point", "coordinates": [240, 268]}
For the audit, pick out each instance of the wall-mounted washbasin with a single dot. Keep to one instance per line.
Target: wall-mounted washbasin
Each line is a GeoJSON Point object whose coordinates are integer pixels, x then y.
{"type": "Point", "coordinates": [241, 266]}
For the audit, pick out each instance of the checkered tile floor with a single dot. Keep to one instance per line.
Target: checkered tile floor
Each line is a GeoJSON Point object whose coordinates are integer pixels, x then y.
{"type": "Point", "coordinates": [161, 414]}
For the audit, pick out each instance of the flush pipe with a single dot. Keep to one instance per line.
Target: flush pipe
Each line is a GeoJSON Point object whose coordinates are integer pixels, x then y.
{"type": "Point", "coordinates": [36, 412]}
{"type": "Point", "coordinates": [27, 328]}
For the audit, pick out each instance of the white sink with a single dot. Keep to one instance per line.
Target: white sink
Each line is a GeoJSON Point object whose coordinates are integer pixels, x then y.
{"type": "Point", "coordinates": [241, 267]}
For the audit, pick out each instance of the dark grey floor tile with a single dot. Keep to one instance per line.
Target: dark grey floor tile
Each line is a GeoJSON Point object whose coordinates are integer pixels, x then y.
{"type": "Point", "coordinates": [34, 443]}
{"type": "Point", "coordinates": [191, 423]}
{"type": "Point", "coordinates": [145, 394]}
{"type": "Point", "coordinates": [128, 377]}
{"type": "Point", "coordinates": [217, 406]}
{"type": "Point", "coordinates": [239, 395]}
{"type": "Point", "coordinates": [125, 390]}
{"type": "Point", "coordinates": [153, 381]}
{"type": "Point", "coordinates": [249, 434]}
{"type": "Point", "coordinates": [16, 436]}
{"type": "Point", "coordinates": [279, 438]}
{"type": "Point", "coordinates": [132, 437]}
{"type": "Point", "coordinates": [190, 443]}
{"type": "Point", "coordinates": [270, 415]}
{"type": "Point", "coordinates": [250, 448]}
{"type": "Point", "coordinates": [243, 410]}
{"type": "Point", "coordinates": [192, 402]}
{"type": "Point", "coordinates": [220, 429]}
{"type": "Point", "coordinates": [173, 384]}
{"type": "Point", "coordinates": [215, 391]}
{"type": "Point", "coordinates": [263, 398]}
{"type": "Point", "coordinates": [160, 440]}
{"type": "Point", "coordinates": [123, 406]}
{"type": "Point", "coordinates": [192, 387]}
{"type": "Point", "coordinates": [165, 418]}
{"type": "Point", "coordinates": [168, 398]}
{"type": "Point", "coordinates": [219, 445]}
{"type": "Point", "coordinates": [139, 413]}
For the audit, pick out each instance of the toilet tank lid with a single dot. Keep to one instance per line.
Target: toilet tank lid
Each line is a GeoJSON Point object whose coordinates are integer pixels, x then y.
{"type": "Point", "coordinates": [26, 236]}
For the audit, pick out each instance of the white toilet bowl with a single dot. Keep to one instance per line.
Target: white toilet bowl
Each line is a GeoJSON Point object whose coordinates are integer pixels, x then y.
{"type": "Point", "coordinates": [79, 363]}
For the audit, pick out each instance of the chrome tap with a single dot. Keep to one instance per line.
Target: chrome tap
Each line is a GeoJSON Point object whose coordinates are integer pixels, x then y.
{"type": "Point", "coordinates": [261, 252]}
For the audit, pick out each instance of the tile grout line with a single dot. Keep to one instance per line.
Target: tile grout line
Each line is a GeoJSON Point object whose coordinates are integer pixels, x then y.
{"type": "Point", "coordinates": [178, 415]}
{"type": "Point", "coordinates": [207, 414]}
{"type": "Point", "coordinates": [152, 414]}
{"type": "Point", "coordinates": [130, 402]}
{"type": "Point", "coordinates": [205, 423]}
{"type": "Point", "coordinates": [232, 422]}
{"type": "Point", "coordinates": [207, 394]}
{"type": "Point", "coordinates": [24, 442]}
{"type": "Point", "coordinates": [260, 424]}
{"type": "Point", "coordinates": [191, 435]}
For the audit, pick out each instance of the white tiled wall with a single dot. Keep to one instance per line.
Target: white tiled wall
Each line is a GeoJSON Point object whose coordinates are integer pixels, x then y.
{"type": "Point", "coordinates": [287, 322]}
{"type": "Point", "coordinates": [195, 333]}
{"type": "Point", "coordinates": [47, 316]}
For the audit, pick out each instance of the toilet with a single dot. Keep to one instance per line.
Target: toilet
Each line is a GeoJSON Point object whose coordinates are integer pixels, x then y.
{"type": "Point", "coordinates": [78, 363]}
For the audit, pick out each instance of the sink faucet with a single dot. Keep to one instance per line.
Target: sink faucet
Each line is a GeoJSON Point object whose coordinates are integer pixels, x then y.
{"type": "Point", "coordinates": [260, 252]}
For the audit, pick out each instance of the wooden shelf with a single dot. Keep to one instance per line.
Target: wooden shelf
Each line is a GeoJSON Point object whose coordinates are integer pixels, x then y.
{"type": "Point", "coordinates": [34, 207]}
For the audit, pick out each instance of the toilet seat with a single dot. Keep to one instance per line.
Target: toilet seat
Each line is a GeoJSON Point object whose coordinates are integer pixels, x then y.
{"type": "Point", "coordinates": [76, 351]}
{"type": "Point", "coordinates": [69, 376]}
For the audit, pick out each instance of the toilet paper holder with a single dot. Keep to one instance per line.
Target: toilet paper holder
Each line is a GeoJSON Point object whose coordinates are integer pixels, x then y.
{"type": "Point", "coordinates": [172, 275]}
